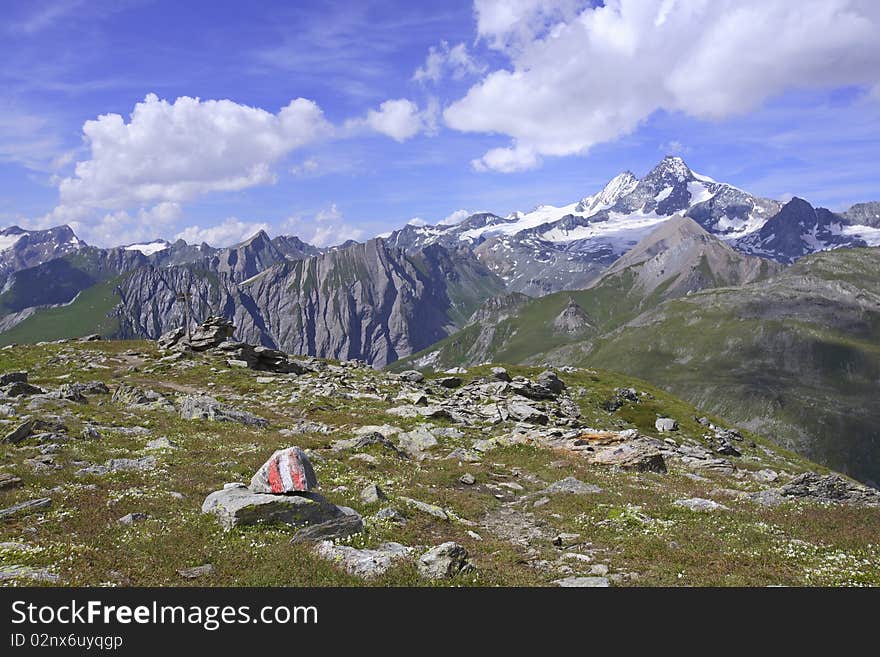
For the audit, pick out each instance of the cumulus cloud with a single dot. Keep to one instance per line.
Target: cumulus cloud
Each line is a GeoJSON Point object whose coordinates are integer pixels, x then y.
{"type": "Point", "coordinates": [444, 60]}
{"type": "Point", "coordinates": [119, 227]}
{"type": "Point", "coordinates": [582, 75]}
{"type": "Point", "coordinates": [178, 151]}
{"type": "Point", "coordinates": [454, 218]}
{"type": "Point", "coordinates": [230, 231]}
{"type": "Point", "coordinates": [399, 119]}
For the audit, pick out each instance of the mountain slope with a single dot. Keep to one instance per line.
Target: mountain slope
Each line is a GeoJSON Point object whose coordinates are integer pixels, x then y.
{"type": "Point", "coordinates": [20, 249]}
{"type": "Point", "coordinates": [676, 259]}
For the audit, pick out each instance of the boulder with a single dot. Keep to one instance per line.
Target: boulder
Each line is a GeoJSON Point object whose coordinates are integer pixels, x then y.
{"type": "Point", "coordinates": [450, 381]}
{"type": "Point", "coordinates": [372, 494]}
{"type": "Point", "coordinates": [415, 442]}
{"type": "Point", "coordinates": [211, 333]}
{"type": "Point", "coordinates": [363, 563]}
{"type": "Point", "coordinates": [13, 377]}
{"type": "Point", "coordinates": [333, 529]}
{"type": "Point", "coordinates": [634, 455]}
{"type": "Point", "coordinates": [196, 571]}
{"type": "Point", "coordinates": [525, 413]}
{"type": "Point", "coordinates": [171, 338]}
{"type": "Point", "coordinates": [700, 504]}
{"type": "Point", "coordinates": [238, 505]}
{"type": "Point", "coordinates": [551, 381]}
{"type": "Point", "coordinates": [501, 374]}
{"type": "Point", "coordinates": [203, 407]}
{"type": "Point", "coordinates": [22, 389]}
{"type": "Point", "coordinates": [413, 376]}
{"type": "Point", "coordinates": [132, 396]}
{"type": "Point", "coordinates": [444, 561]}
{"type": "Point", "coordinates": [572, 486]}
{"type": "Point", "coordinates": [830, 488]}
{"type": "Point", "coordinates": [583, 582]}
{"type": "Point", "coordinates": [663, 424]}
{"type": "Point", "coordinates": [287, 471]}
{"type": "Point", "coordinates": [120, 465]}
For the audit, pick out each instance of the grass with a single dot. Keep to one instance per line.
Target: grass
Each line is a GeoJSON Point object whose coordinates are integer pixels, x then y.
{"type": "Point", "coordinates": [632, 526]}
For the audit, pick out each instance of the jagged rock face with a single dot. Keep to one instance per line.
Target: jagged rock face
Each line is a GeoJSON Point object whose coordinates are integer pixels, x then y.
{"type": "Point", "coordinates": [864, 214]}
{"type": "Point", "coordinates": [20, 249]}
{"type": "Point", "coordinates": [247, 259]}
{"type": "Point", "coordinates": [796, 230]}
{"type": "Point", "coordinates": [369, 301]}
{"type": "Point", "coordinates": [572, 320]}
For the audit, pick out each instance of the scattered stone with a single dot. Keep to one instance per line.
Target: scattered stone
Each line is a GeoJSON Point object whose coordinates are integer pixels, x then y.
{"type": "Point", "coordinates": [430, 509]}
{"type": "Point", "coordinates": [120, 465]}
{"type": "Point", "coordinates": [333, 529]}
{"type": "Point", "coordinates": [90, 433]}
{"type": "Point", "coordinates": [161, 443]}
{"type": "Point", "coordinates": [765, 476]}
{"type": "Point", "coordinates": [237, 506]}
{"type": "Point", "coordinates": [287, 471]}
{"type": "Point", "coordinates": [372, 494]}
{"type": "Point", "coordinates": [583, 582]}
{"type": "Point", "coordinates": [525, 413]}
{"type": "Point", "coordinates": [565, 538]}
{"type": "Point", "coordinates": [551, 381]}
{"type": "Point", "coordinates": [8, 481]}
{"type": "Point", "coordinates": [127, 395]}
{"type": "Point", "coordinates": [830, 488]}
{"type": "Point", "coordinates": [634, 455]}
{"type": "Point", "coordinates": [700, 504]}
{"type": "Point", "coordinates": [196, 571]}
{"type": "Point", "coordinates": [571, 485]}
{"type": "Point", "coordinates": [14, 572]}
{"type": "Point", "coordinates": [131, 518]}
{"type": "Point", "coordinates": [211, 333]}
{"type": "Point", "coordinates": [391, 515]}
{"type": "Point", "coordinates": [22, 389]}
{"type": "Point", "coordinates": [13, 377]}
{"type": "Point", "coordinates": [26, 507]}
{"type": "Point", "coordinates": [413, 376]}
{"type": "Point", "coordinates": [363, 563]}
{"type": "Point", "coordinates": [444, 561]}
{"type": "Point", "coordinates": [450, 381]}
{"type": "Point", "coordinates": [664, 424]}
{"type": "Point", "coordinates": [203, 407]}
{"type": "Point", "coordinates": [467, 479]}
{"type": "Point", "coordinates": [501, 374]}
{"type": "Point", "coordinates": [416, 442]}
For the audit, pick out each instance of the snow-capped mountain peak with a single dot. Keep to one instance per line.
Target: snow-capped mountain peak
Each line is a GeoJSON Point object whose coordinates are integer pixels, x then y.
{"type": "Point", "coordinates": [618, 187]}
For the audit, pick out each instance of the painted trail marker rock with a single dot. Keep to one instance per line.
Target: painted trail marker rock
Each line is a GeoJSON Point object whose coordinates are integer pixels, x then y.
{"type": "Point", "coordinates": [287, 471]}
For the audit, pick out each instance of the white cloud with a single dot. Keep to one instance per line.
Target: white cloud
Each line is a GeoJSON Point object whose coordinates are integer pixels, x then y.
{"type": "Point", "coordinates": [583, 75]}
{"type": "Point", "coordinates": [178, 151]}
{"type": "Point", "coordinates": [332, 213]}
{"type": "Point", "coordinates": [230, 231]}
{"type": "Point", "coordinates": [399, 119]}
{"type": "Point", "coordinates": [121, 227]}
{"type": "Point", "coordinates": [418, 222]}
{"type": "Point", "coordinates": [305, 168]}
{"type": "Point", "coordinates": [456, 61]}
{"type": "Point", "coordinates": [455, 218]}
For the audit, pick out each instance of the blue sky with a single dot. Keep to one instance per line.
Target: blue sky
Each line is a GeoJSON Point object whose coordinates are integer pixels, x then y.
{"type": "Point", "coordinates": [522, 102]}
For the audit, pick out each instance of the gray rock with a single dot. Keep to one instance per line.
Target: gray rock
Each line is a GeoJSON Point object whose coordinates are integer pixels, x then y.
{"type": "Point", "coordinates": [203, 407]}
{"type": "Point", "coordinates": [416, 442]}
{"type": "Point", "coordinates": [287, 471]}
{"type": "Point", "coordinates": [120, 465]}
{"type": "Point", "coordinates": [765, 476]}
{"type": "Point", "coordinates": [572, 486]}
{"type": "Point", "coordinates": [830, 488]}
{"type": "Point", "coordinates": [700, 504]}
{"type": "Point", "coordinates": [444, 561]}
{"type": "Point", "coordinates": [424, 507]}
{"type": "Point", "coordinates": [372, 494]}
{"type": "Point", "coordinates": [132, 518]}
{"type": "Point", "coordinates": [162, 442]}
{"type": "Point", "coordinates": [22, 389]}
{"type": "Point", "coordinates": [666, 424]}
{"type": "Point", "coordinates": [634, 455]}
{"type": "Point", "coordinates": [583, 582]}
{"type": "Point", "coordinates": [127, 395]}
{"type": "Point", "coordinates": [26, 507]}
{"type": "Point", "coordinates": [239, 506]}
{"type": "Point", "coordinates": [333, 529]}
{"type": "Point", "coordinates": [467, 479]}
{"type": "Point", "coordinates": [413, 376]}
{"type": "Point", "coordinates": [16, 572]}
{"type": "Point", "coordinates": [196, 571]}
{"type": "Point", "coordinates": [8, 481]}
{"type": "Point", "coordinates": [450, 381]}
{"type": "Point", "coordinates": [13, 377]}
{"type": "Point", "coordinates": [525, 413]}
{"type": "Point", "coordinates": [501, 374]}
{"type": "Point", "coordinates": [551, 381]}
{"type": "Point", "coordinates": [391, 515]}
{"type": "Point", "coordinates": [363, 563]}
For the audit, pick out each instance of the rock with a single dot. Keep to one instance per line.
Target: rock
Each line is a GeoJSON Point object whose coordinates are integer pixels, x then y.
{"type": "Point", "coordinates": [131, 518]}
{"type": "Point", "coordinates": [171, 338]}
{"type": "Point", "coordinates": [501, 374]}
{"type": "Point", "coordinates": [663, 424]}
{"type": "Point", "coordinates": [700, 504]}
{"type": "Point", "coordinates": [583, 582]}
{"type": "Point", "coordinates": [572, 486]}
{"type": "Point", "coordinates": [22, 389]}
{"type": "Point", "coordinates": [551, 381]}
{"type": "Point", "coordinates": [765, 476]}
{"type": "Point", "coordinates": [565, 538]}
{"type": "Point", "coordinates": [211, 333]}
{"type": "Point", "coordinates": [237, 506]}
{"type": "Point", "coordinates": [467, 479]}
{"type": "Point", "coordinates": [727, 449]}
{"type": "Point", "coordinates": [301, 427]}
{"type": "Point", "coordinates": [415, 442]}
{"type": "Point", "coordinates": [372, 494]}
{"type": "Point", "coordinates": [363, 563]}
{"type": "Point", "coordinates": [20, 433]}
{"type": "Point", "coordinates": [26, 507]}
{"type": "Point", "coordinates": [830, 488]}
{"type": "Point", "coordinates": [8, 481]}
{"type": "Point", "coordinates": [90, 433]}
{"type": "Point", "coordinates": [91, 337]}
{"type": "Point", "coordinates": [13, 377]}
{"type": "Point", "coordinates": [413, 376]}
{"type": "Point", "coordinates": [203, 407]}
{"type": "Point", "coordinates": [287, 471]}
{"type": "Point", "coordinates": [7, 410]}
{"type": "Point", "coordinates": [196, 571]}
{"type": "Point", "coordinates": [533, 391]}
{"type": "Point", "coordinates": [443, 561]}
{"type": "Point", "coordinates": [366, 440]}
{"type": "Point", "coordinates": [14, 572]}
{"type": "Point", "coordinates": [634, 455]}
{"type": "Point", "coordinates": [525, 413]}
{"type": "Point", "coordinates": [160, 443]}
{"type": "Point", "coordinates": [127, 395]}
{"type": "Point", "coordinates": [333, 529]}
{"type": "Point", "coordinates": [450, 381]}
{"type": "Point", "coordinates": [120, 465]}
{"type": "Point", "coordinates": [430, 509]}
{"type": "Point", "coordinates": [391, 515]}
